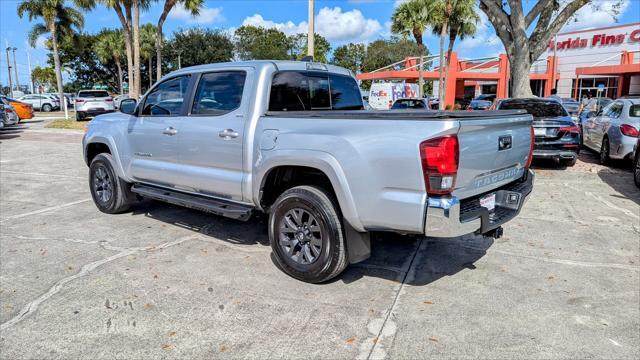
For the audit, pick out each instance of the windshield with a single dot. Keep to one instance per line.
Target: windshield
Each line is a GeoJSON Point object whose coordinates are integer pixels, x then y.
{"type": "Point", "coordinates": [634, 110]}
{"type": "Point", "coordinates": [93, 93]}
{"type": "Point", "coordinates": [536, 108]}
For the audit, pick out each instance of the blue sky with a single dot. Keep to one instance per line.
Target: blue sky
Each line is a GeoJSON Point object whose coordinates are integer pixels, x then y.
{"type": "Point", "coordinates": [340, 21]}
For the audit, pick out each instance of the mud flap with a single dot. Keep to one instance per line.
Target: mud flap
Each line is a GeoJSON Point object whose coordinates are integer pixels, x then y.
{"type": "Point", "coordinates": [358, 244]}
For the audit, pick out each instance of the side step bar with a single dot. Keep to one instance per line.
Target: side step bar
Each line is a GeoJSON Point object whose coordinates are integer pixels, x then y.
{"type": "Point", "coordinates": [214, 206]}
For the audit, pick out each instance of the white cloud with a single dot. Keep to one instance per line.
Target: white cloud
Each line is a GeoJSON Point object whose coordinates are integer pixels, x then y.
{"type": "Point", "coordinates": [288, 27]}
{"type": "Point", "coordinates": [600, 13]}
{"type": "Point", "coordinates": [41, 42]}
{"type": "Point", "coordinates": [206, 15]}
{"type": "Point", "coordinates": [332, 23]}
{"type": "Point", "coordinates": [485, 37]}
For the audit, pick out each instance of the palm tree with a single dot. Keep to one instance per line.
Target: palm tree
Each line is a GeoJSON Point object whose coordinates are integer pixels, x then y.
{"type": "Point", "coordinates": [457, 18]}
{"type": "Point", "coordinates": [411, 18]}
{"type": "Point", "coordinates": [59, 20]}
{"type": "Point", "coordinates": [110, 47]}
{"type": "Point", "coordinates": [192, 5]}
{"type": "Point", "coordinates": [128, 12]}
{"type": "Point", "coordinates": [147, 46]}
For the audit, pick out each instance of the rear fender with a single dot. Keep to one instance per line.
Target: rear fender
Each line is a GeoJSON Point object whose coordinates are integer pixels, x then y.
{"type": "Point", "coordinates": [309, 158]}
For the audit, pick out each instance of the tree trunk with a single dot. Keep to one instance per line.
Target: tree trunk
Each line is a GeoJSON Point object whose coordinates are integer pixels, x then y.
{"type": "Point", "coordinates": [168, 5]}
{"type": "Point", "coordinates": [120, 76]}
{"type": "Point", "coordinates": [159, 51]}
{"type": "Point", "coordinates": [136, 48]}
{"type": "Point", "coordinates": [56, 63]}
{"type": "Point", "coordinates": [128, 43]}
{"type": "Point", "coordinates": [441, 80]}
{"type": "Point", "coordinates": [150, 70]}
{"type": "Point", "coordinates": [520, 66]}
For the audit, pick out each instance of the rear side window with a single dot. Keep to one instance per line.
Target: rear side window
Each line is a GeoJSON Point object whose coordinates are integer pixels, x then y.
{"type": "Point", "coordinates": [535, 108]}
{"type": "Point", "coordinates": [302, 91]}
{"type": "Point", "coordinates": [219, 93]}
{"type": "Point", "coordinates": [93, 94]}
{"type": "Point", "coordinates": [345, 93]}
{"type": "Point", "coordinates": [614, 110]}
{"type": "Point", "coordinates": [167, 98]}
{"type": "Point", "coordinates": [634, 110]}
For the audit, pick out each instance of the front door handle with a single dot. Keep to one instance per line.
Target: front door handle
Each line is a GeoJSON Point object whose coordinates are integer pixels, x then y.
{"type": "Point", "coordinates": [228, 134]}
{"type": "Point", "coordinates": [170, 131]}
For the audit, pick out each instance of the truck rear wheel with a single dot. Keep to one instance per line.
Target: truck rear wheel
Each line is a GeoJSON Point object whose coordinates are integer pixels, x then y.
{"type": "Point", "coordinates": [306, 234]}
{"type": "Point", "coordinates": [110, 194]}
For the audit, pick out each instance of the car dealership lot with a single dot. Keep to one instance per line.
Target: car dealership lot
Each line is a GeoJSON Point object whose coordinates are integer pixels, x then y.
{"type": "Point", "coordinates": [164, 281]}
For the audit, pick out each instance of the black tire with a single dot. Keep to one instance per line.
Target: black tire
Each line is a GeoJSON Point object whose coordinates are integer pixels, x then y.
{"type": "Point", "coordinates": [636, 168]}
{"type": "Point", "coordinates": [79, 116]}
{"type": "Point", "coordinates": [322, 264]}
{"type": "Point", "coordinates": [110, 194]}
{"type": "Point", "coordinates": [570, 162]}
{"type": "Point", "coordinates": [604, 151]}
{"type": "Point", "coordinates": [46, 108]}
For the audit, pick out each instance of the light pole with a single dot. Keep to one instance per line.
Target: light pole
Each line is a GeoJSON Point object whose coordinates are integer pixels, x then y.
{"type": "Point", "coordinates": [30, 76]}
{"type": "Point", "coordinates": [9, 71]}
{"type": "Point", "coordinates": [15, 68]}
{"type": "Point", "coordinates": [311, 34]}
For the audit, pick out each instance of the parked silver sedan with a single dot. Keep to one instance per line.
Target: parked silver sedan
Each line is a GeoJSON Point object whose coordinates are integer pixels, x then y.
{"type": "Point", "coordinates": [614, 130]}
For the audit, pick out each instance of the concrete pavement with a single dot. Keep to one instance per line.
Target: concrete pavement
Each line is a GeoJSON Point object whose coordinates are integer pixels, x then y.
{"type": "Point", "coordinates": [162, 281]}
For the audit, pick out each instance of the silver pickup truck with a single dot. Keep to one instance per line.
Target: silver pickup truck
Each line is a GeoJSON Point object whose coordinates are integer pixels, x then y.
{"type": "Point", "coordinates": [291, 139]}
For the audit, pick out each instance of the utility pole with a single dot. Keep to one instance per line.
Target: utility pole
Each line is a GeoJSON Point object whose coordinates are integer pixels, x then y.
{"type": "Point", "coordinates": [15, 68]}
{"type": "Point", "coordinates": [179, 64]}
{"type": "Point", "coordinates": [311, 34]}
{"type": "Point", "coordinates": [9, 71]}
{"type": "Point", "coordinates": [29, 64]}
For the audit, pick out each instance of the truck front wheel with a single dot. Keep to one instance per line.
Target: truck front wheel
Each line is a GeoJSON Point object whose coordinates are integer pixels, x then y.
{"type": "Point", "coordinates": [110, 194]}
{"type": "Point", "coordinates": [306, 234]}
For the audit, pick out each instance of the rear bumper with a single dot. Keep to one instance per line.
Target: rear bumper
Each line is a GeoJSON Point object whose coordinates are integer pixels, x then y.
{"type": "Point", "coordinates": [94, 112]}
{"type": "Point", "coordinates": [560, 154]}
{"type": "Point", "coordinates": [452, 217]}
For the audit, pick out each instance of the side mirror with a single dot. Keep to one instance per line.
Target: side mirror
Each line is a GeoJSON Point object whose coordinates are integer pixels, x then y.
{"type": "Point", "coordinates": [128, 106]}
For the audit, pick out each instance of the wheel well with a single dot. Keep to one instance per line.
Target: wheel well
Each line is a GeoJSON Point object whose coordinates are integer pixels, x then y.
{"type": "Point", "coordinates": [94, 149]}
{"type": "Point", "coordinates": [281, 178]}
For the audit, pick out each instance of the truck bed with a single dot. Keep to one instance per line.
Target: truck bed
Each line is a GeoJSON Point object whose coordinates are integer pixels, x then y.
{"type": "Point", "coordinates": [398, 114]}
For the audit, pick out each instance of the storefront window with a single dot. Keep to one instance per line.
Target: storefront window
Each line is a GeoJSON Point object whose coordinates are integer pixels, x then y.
{"type": "Point", "coordinates": [590, 85]}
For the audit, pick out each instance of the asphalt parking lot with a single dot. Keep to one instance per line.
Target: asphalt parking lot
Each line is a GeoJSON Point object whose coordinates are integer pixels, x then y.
{"type": "Point", "coordinates": [162, 281]}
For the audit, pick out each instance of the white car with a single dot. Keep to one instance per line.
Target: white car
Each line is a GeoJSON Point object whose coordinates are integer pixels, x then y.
{"type": "Point", "coordinates": [614, 130]}
{"type": "Point", "coordinates": [41, 102]}
{"type": "Point", "coordinates": [9, 116]}
{"type": "Point", "coordinates": [90, 103]}
{"type": "Point", "coordinates": [118, 99]}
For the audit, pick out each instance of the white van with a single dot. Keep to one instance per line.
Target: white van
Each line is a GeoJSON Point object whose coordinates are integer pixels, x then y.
{"type": "Point", "coordinates": [383, 95]}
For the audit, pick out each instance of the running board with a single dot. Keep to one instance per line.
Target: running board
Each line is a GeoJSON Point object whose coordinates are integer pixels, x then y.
{"type": "Point", "coordinates": [214, 206]}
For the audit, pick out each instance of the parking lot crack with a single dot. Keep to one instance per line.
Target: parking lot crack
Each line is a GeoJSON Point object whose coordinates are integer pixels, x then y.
{"type": "Point", "coordinates": [385, 327]}
{"type": "Point", "coordinates": [32, 306]}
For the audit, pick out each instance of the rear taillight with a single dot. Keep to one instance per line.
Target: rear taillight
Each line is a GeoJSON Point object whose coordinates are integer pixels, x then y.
{"type": "Point", "coordinates": [570, 129]}
{"type": "Point", "coordinates": [108, 100]}
{"type": "Point", "coordinates": [7, 110]}
{"type": "Point", "coordinates": [79, 100]}
{"type": "Point", "coordinates": [440, 164]}
{"type": "Point", "coordinates": [628, 130]}
{"type": "Point", "coordinates": [530, 159]}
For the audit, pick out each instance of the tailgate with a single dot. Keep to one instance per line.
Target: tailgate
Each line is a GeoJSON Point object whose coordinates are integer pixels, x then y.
{"type": "Point", "coordinates": [493, 152]}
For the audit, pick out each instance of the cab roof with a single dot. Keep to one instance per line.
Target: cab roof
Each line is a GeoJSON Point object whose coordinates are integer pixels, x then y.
{"type": "Point", "coordinates": [277, 65]}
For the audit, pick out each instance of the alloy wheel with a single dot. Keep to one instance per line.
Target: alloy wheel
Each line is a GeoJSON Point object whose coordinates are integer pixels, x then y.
{"type": "Point", "coordinates": [300, 236]}
{"type": "Point", "coordinates": [102, 184]}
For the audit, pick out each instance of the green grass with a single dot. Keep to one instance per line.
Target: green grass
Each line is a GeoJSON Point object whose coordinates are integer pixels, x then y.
{"type": "Point", "coordinates": [67, 124]}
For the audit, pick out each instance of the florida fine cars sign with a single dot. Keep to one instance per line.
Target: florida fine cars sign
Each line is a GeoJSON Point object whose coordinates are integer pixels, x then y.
{"type": "Point", "coordinates": [595, 40]}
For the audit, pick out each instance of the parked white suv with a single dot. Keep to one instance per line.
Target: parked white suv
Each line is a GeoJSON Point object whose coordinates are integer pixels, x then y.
{"type": "Point", "coordinates": [41, 102]}
{"type": "Point", "coordinates": [90, 103]}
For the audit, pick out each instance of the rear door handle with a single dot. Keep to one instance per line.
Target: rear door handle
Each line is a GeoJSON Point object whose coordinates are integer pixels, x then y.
{"type": "Point", "coordinates": [228, 134]}
{"type": "Point", "coordinates": [170, 131]}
